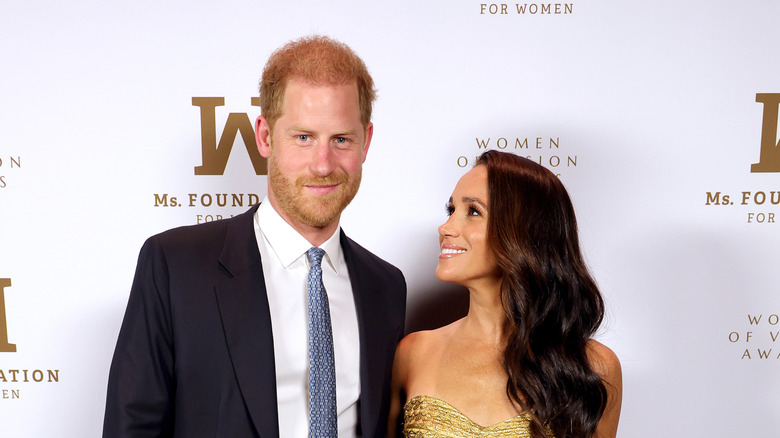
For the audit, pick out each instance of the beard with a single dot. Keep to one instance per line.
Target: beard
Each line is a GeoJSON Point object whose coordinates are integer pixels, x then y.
{"type": "Point", "coordinates": [316, 211]}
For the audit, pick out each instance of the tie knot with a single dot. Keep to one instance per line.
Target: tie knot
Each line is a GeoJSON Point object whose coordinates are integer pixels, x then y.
{"type": "Point", "coordinates": [315, 255]}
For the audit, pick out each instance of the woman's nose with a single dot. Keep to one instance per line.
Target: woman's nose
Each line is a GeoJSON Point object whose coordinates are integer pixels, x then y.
{"type": "Point", "coordinates": [447, 228]}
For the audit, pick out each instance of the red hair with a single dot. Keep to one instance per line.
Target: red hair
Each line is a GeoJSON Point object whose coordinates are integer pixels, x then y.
{"type": "Point", "coordinates": [317, 60]}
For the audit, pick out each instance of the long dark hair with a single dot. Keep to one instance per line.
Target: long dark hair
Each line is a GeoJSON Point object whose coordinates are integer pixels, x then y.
{"type": "Point", "coordinates": [552, 303]}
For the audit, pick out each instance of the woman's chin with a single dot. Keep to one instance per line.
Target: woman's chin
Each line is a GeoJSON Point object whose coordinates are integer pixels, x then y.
{"type": "Point", "coordinates": [446, 277]}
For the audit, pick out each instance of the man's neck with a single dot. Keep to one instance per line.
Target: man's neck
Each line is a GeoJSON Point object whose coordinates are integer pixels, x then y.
{"type": "Point", "coordinates": [314, 235]}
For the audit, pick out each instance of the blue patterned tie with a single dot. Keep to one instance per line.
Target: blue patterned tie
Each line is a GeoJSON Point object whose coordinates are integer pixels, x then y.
{"type": "Point", "coordinates": [322, 368]}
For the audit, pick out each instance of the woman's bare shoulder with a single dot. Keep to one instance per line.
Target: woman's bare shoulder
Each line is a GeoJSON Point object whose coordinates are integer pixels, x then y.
{"type": "Point", "coordinates": [605, 363]}
{"type": "Point", "coordinates": [424, 341]}
{"type": "Point", "coordinates": [603, 360]}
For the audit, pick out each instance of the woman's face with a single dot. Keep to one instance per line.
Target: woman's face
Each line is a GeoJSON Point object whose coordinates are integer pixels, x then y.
{"type": "Point", "coordinates": [465, 256]}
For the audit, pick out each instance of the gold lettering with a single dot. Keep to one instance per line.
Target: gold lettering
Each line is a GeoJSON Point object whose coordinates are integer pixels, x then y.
{"type": "Point", "coordinates": [10, 394]}
{"type": "Point", "coordinates": [5, 346]}
{"type": "Point", "coordinates": [769, 160]}
{"type": "Point", "coordinates": [215, 156]}
{"type": "Point", "coordinates": [27, 376]}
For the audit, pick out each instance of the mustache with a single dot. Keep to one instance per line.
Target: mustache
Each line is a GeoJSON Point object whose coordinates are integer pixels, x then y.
{"type": "Point", "coordinates": [329, 180]}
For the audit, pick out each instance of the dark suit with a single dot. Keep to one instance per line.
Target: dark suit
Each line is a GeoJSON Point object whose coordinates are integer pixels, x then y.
{"type": "Point", "coordinates": [195, 354]}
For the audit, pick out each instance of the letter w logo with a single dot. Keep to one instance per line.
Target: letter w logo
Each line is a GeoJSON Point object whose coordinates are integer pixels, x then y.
{"type": "Point", "coordinates": [770, 149]}
{"type": "Point", "coordinates": [5, 346]}
{"type": "Point", "coordinates": [215, 156]}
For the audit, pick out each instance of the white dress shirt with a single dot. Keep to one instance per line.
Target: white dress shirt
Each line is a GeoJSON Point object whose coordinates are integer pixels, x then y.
{"type": "Point", "coordinates": [286, 268]}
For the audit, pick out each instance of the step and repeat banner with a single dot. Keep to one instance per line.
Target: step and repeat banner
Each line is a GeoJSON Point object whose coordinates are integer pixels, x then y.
{"type": "Point", "coordinates": [119, 120]}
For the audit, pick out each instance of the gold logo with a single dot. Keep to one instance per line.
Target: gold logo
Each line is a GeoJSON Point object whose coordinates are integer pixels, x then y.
{"type": "Point", "coordinates": [17, 376]}
{"type": "Point", "coordinates": [215, 156]}
{"type": "Point", "coordinates": [770, 148]}
{"type": "Point", "coordinates": [5, 346]}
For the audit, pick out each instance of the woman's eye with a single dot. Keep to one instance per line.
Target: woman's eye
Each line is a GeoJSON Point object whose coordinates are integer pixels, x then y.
{"type": "Point", "coordinates": [474, 212]}
{"type": "Point", "coordinates": [449, 209]}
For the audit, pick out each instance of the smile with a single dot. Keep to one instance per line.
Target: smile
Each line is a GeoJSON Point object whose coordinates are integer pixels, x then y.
{"type": "Point", "coordinates": [322, 189]}
{"type": "Point", "coordinates": [452, 251]}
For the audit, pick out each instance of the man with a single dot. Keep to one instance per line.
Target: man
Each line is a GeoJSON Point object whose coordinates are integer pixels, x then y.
{"type": "Point", "coordinates": [222, 336]}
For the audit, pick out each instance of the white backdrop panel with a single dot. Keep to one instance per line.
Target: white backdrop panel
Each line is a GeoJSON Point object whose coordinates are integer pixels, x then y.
{"type": "Point", "coordinates": [654, 102]}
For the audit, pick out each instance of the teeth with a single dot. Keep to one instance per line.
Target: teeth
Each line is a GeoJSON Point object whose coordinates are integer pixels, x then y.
{"type": "Point", "coordinates": [452, 251]}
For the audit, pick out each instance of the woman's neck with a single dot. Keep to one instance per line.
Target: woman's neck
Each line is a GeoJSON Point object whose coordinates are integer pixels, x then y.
{"type": "Point", "coordinates": [486, 317]}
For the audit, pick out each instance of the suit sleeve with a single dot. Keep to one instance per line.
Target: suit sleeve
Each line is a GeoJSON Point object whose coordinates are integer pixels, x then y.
{"type": "Point", "coordinates": [141, 385]}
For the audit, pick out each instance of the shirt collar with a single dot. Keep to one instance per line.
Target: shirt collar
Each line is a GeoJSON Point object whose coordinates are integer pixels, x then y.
{"type": "Point", "coordinates": [287, 243]}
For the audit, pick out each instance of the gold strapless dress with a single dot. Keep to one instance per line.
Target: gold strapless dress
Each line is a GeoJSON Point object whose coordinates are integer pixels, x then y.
{"type": "Point", "coordinates": [430, 417]}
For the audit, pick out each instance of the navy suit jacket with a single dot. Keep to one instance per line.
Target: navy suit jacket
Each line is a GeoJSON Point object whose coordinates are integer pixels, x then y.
{"type": "Point", "coordinates": [195, 354]}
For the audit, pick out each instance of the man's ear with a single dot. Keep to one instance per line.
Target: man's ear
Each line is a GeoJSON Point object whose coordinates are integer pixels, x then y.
{"type": "Point", "coordinates": [369, 134]}
{"type": "Point", "coordinates": [263, 136]}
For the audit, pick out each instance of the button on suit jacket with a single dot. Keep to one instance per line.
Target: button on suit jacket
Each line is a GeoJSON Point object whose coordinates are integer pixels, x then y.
{"type": "Point", "coordinates": [195, 354]}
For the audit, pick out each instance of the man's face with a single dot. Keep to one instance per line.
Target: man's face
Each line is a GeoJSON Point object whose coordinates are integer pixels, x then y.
{"type": "Point", "coordinates": [315, 152]}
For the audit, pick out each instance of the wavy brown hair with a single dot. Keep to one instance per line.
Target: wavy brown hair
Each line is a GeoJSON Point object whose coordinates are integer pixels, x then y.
{"type": "Point", "coordinates": [552, 303]}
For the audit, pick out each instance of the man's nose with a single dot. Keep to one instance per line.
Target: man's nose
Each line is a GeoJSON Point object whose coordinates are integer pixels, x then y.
{"type": "Point", "coordinates": [322, 161]}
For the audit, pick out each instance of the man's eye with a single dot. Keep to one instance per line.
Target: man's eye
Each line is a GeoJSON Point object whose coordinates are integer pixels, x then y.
{"type": "Point", "coordinates": [303, 137]}
{"type": "Point", "coordinates": [343, 142]}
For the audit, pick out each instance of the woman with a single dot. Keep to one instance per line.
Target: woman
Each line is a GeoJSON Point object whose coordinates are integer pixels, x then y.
{"type": "Point", "coordinates": [521, 363]}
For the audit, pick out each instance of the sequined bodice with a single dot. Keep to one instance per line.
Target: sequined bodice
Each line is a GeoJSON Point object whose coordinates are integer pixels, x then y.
{"type": "Point", "coordinates": [430, 417]}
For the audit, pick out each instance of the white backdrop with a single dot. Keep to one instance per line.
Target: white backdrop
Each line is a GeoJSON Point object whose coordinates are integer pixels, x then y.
{"type": "Point", "coordinates": [649, 106]}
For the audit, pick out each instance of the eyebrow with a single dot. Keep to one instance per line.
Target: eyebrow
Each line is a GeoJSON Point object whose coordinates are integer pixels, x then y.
{"type": "Point", "coordinates": [344, 133]}
{"type": "Point", "coordinates": [470, 199]}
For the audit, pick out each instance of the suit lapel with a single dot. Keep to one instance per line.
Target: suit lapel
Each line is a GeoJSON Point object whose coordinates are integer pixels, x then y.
{"type": "Point", "coordinates": [243, 305]}
{"type": "Point", "coordinates": [246, 319]}
{"type": "Point", "coordinates": [373, 333]}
